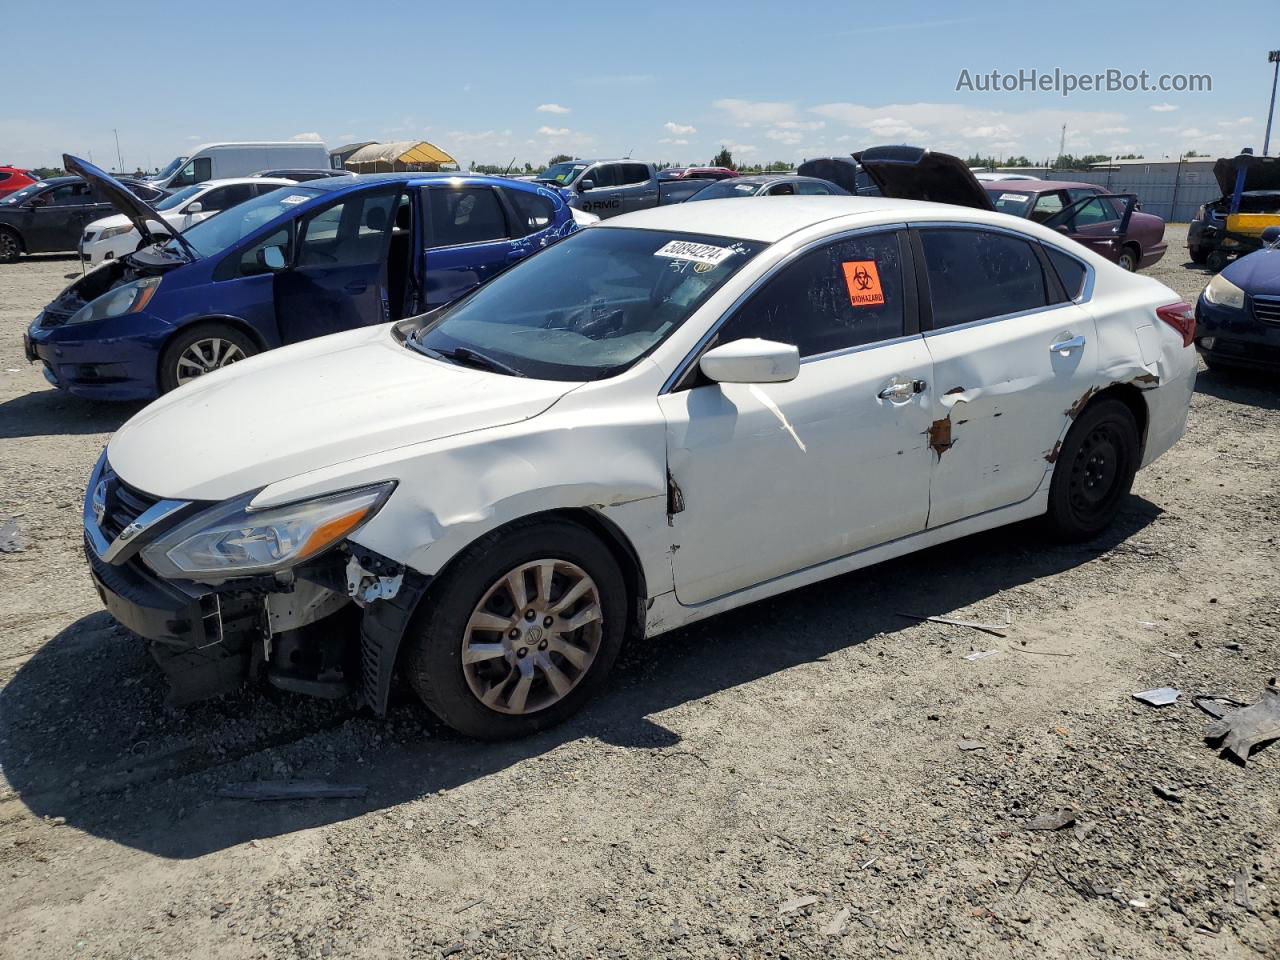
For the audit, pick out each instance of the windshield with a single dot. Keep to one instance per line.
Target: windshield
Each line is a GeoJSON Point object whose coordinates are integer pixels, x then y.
{"type": "Point", "coordinates": [1010, 201]}
{"type": "Point", "coordinates": [212, 236]}
{"type": "Point", "coordinates": [591, 305]}
{"type": "Point", "coordinates": [726, 188]}
{"type": "Point", "coordinates": [561, 173]}
{"type": "Point", "coordinates": [19, 195]}
{"type": "Point", "coordinates": [170, 167]}
{"type": "Point", "coordinates": [179, 198]}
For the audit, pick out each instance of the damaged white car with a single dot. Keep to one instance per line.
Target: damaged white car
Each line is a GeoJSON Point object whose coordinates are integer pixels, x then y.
{"type": "Point", "coordinates": [670, 415]}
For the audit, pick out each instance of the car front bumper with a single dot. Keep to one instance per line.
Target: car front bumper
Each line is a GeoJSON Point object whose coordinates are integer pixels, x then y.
{"type": "Point", "coordinates": [1236, 337]}
{"type": "Point", "coordinates": [115, 359]}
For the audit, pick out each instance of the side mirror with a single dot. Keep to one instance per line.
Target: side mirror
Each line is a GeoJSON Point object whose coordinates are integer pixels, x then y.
{"type": "Point", "coordinates": [1063, 228]}
{"type": "Point", "coordinates": [271, 258]}
{"type": "Point", "coordinates": [751, 361]}
{"type": "Point", "coordinates": [1271, 235]}
{"type": "Point", "coordinates": [585, 185]}
{"type": "Point", "coordinates": [196, 207]}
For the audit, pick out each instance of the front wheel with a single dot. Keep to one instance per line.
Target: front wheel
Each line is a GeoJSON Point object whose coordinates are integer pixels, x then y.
{"type": "Point", "coordinates": [10, 247]}
{"type": "Point", "coordinates": [202, 349]}
{"type": "Point", "coordinates": [520, 632]}
{"type": "Point", "coordinates": [1198, 254]}
{"type": "Point", "coordinates": [1094, 471]}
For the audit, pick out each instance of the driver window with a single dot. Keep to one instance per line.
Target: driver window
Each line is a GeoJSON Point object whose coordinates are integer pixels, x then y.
{"type": "Point", "coordinates": [1047, 204]}
{"type": "Point", "coordinates": [845, 294]}
{"type": "Point", "coordinates": [350, 233]}
{"type": "Point", "coordinates": [248, 262]}
{"type": "Point", "coordinates": [1094, 212]}
{"type": "Point", "coordinates": [70, 194]}
{"type": "Point", "coordinates": [605, 175]}
{"type": "Point", "coordinates": [196, 171]}
{"type": "Point", "coordinates": [782, 190]}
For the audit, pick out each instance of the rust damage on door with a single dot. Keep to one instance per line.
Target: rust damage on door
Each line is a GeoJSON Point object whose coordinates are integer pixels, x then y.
{"type": "Point", "coordinates": [940, 436]}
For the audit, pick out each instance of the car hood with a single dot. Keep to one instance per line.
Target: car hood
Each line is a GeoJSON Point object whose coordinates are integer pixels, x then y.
{"type": "Point", "coordinates": [1263, 173]}
{"type": "Point", "coordinates": [312, 405]}
{"type": "Point", "coordinates": [136, 209]}
{"type": "Point", "coordinates": [914, 173]}
{"type": "Point", "coordinates": [1258, 274]}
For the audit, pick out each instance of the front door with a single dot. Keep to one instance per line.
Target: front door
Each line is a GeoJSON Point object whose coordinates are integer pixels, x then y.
{"type": "Point", "coordinates": [338, 277]}
{"type": "Point", "coordinates": [468, 241]}
{"type": "Point", "coordinates": [59, 216]}
{"type": "Point", "coordinates": [604, 199]}
{"type": "Point", "coordinates": [777, 477]}
{"type": "Point", "coordinates": [1011, 356]}
{"type": "Point", "coordinates": [1099, 222]}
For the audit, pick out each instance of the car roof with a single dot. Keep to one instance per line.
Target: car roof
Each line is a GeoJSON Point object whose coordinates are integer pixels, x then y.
{"type": "Point", "coordinates": [357, 180]}
{"type": "Point", "coordinates": [1034, 186]}
{"type": "Point", "coordinates": [230, 181]}
{"type": "Point", "coordinates": [770, 222]}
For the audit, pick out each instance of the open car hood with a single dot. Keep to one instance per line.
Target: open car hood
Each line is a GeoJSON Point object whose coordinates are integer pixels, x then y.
{"type": "Point", "coordinates": [140, 213]}
{"type": "Point", "coordinates": [914, 173]}
{"type": "Point", "coordinates": [843, 172]}
{"type": "Point", "coordinates": [1263, 173]}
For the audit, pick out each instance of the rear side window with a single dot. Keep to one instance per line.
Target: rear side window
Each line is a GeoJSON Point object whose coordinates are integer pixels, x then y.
{"type": "Point", "coordinates": [535, 212]}
{"type": "Point", "coordinates": [465, 215]}
{"type": "Point", "coordinates": [974, 275]}
{"type": "Point", "coordinates": [4, 176]}
{"type": "Point", "coordinates": [812, 188]}
{"type": "Point", "coordinates": [1070, 271]}
{"type": "Point", "coordinates": [845, 294]}
{"type": "Point", "coordinates": [220, 198]}
{"type": "Point", "coordinates": [634, 173]}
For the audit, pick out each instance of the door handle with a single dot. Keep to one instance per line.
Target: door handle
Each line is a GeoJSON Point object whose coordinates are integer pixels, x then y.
{"type": "Point", "coordinates": [902, 390]}
{"type": "Point", "coordinates": [1064, 347]}
{"type": "Point", "coordinates": [355, 286]}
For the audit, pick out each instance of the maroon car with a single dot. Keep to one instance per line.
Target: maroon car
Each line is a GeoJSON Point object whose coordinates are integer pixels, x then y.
{"type": "Point", "coordinates": [1108, 223]}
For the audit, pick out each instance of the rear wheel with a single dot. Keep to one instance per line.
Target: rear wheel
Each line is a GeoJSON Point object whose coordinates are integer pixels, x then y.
{"type": "Point", "coordinates": [1129, 259]}
{"type": "Point", "coordinates": [1198, 254]}
{"type": "Point", "coordinates": [1094, 470]}
{"type": "Point", "coordinates": [10, 247]}
{"type": "Point", "coordinates": [202, 349]}
{"type": "Point", "coordinates": [520, 632]}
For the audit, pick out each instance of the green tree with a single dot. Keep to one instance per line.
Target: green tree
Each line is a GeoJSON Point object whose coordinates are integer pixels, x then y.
{"type": "Point", "coordinates": [723, 159]}
{"type": "Point", "coordinates": [558, 158]}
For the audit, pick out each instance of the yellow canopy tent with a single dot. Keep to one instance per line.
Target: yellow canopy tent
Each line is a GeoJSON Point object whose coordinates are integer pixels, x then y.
{"type": "Point", "coordinates": [398, 156]}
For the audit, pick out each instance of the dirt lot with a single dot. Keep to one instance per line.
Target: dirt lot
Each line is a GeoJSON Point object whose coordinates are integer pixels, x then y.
{"type": "Point", "coordinates": [790, 780]}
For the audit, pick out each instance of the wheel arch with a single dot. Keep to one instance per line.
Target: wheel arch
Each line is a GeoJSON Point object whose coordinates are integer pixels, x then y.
{"type": "Point", "coordinates": [234, 322]}
{"type": "Point", "coordinates": [1132, 398]}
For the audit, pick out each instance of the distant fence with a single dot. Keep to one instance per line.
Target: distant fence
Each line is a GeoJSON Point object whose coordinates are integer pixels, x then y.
{"type": "Point", "coordinates": [1172, 194]}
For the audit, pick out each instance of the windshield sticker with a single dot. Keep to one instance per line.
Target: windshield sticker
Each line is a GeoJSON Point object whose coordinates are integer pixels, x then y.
{"type": "Point", "coordinates": [294, 198]}
{"type": "Point", "coordinates": [863, 282]}
{"type": "Point", "coordinates": [1015, 197]}
{"type": "Point", "coordinates": [696, 252]}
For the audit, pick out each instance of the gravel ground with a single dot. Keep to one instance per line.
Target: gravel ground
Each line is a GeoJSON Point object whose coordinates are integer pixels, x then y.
{"type": "Point", "coordinates": [812, 776]}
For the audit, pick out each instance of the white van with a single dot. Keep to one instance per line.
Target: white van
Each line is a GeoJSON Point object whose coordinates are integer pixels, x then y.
{"type": "Point", "coordinates": [219, 161]}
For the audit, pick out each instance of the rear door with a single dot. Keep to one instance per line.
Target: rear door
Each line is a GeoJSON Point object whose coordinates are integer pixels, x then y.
{"type": "Point", "coordinates": [338, 277]}
{"type": "Point", "coordinates": [469, 240]}
{"type": "Point", "coordinates": [1097, 221]}
{"type": "Point", "coordinates": [638, 190]}
{"type": "Point", "coordinates": [1011, 355]}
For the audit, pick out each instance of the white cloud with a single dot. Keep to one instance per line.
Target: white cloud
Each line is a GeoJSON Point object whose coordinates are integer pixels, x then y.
{"type": "Point", "coordinates": [741, 148]}
{"type": "Point", "coordinates": [554, 131]}
{"type": "Point", "coordinates": [1238, 122]}
{"type": "Point", "coordinates": [463, 136]}
{"type": "Point", "coordinates": [756, 111]}
{"type": "Point", "coordinates": [678, 141]}
{"type": "Point", "coordinates": [678, 128]}
{"type": "Point", "coordinates": [1110, 131]}
{"type": "Point", "coordinates": [311, 137]}
{"type": "Point", "coordinates": [783, 136]}
{"type": "Point", "coordinates": [1163, 107]}
{"type": "Point", "coordinates": [552, 108]}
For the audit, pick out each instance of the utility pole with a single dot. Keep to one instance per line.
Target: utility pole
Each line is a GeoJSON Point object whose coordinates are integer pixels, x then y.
{"type": "Point", "coordinates": [1272, 57]}
{"type": "Point", "coordinates": [119, 159]}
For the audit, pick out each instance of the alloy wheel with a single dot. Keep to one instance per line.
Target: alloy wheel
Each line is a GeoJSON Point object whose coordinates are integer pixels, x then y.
{"type": "Point", "coordinates": [1128, 261]}
{"type": "Point", "coordinates": [205, 356]}
{"type": "Point", "coordinates": [532, 637]}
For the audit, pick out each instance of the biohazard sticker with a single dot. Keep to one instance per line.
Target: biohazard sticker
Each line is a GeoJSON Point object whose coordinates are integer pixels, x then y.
{"type": "Point", "coordinates": [863, 281]}
{"type": "Point", "coordinates": [695, 252]}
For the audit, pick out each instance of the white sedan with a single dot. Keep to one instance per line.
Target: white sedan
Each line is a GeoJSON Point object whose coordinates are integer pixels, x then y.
{"type": "Point", "coordinates": [116, 235]}
{"type": "Point", "coordinates": [670, 415]}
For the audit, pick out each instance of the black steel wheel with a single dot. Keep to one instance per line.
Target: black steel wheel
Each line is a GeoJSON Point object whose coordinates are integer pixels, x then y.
{"type": "Point", "coordinates": [1094, 470]}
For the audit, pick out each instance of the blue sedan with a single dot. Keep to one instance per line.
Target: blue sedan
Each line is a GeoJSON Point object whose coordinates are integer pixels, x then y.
{"type": "Point", "coordinates": [298, 262]}
{"type": "Point", "coordinates": [1238, 314]}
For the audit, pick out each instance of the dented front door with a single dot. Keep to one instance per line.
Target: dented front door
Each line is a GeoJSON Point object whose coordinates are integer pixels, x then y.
{"type": "Point", "coordinates": [1008, 370]}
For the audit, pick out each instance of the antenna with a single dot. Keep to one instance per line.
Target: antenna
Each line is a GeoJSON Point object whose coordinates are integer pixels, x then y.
{"type": "Point", "coordinates": [627, 155]}
{"type": "Point", "coordinates": [1062, 144]}
{"type": "Point", "coordinates": [119, 159]}
{"type": "Point", "coordinates": [509, 166]}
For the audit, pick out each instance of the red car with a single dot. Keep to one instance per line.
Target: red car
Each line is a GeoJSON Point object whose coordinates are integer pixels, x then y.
{"type": "Point", "coordinates": [12, 179]}
{"type": "Point", "coordinates": [697, 173]}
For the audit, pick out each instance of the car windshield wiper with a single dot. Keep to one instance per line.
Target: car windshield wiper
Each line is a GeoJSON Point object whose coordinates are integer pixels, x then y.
{"type": "Point", "coordinates": [466, 357]}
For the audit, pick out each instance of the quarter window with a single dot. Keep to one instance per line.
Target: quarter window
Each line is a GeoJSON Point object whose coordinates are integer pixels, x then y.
{"type": "Point", "coordinates": [975, 275]}
{"type": "Point", "coordinates": [1070, 271]}
{"type": "Point", "coordinates": [842, 295]}
{"type": "Point", "coordinates": [465, 215]}
{"type": "Point", "coordinates": [535, 212]}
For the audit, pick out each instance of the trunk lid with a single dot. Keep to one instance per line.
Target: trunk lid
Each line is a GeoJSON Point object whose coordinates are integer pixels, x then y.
{"type": "Point", "coordinates": [914, 173]}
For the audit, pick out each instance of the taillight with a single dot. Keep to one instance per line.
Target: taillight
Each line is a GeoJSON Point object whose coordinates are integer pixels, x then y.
{"type": "Point", "coordinates": [1182, 317]}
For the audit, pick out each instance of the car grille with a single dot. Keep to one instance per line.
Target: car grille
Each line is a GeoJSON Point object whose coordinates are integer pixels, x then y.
{"type": "Point", "coordinates": [1267, 309]}
{"type": "Point", "coordinates": [124, 505]}
{"type": "Point", "coordinates": [53, 317]}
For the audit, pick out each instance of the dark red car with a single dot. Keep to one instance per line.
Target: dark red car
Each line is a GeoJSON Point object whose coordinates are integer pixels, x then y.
{"type": "Point", "coordinates": [698, 173]}
{"type": "Point", "coordinates": [13, 179]}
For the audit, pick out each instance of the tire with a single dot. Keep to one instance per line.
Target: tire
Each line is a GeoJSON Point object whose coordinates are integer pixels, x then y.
{"type": "Point", "coordinates": [1129, 259]}
{"type": "Point", "coordinates": [471, 607]}
{"type": "Point", "coordinates": [1094, 471]}
{"type": "Point", "coordinates": [1215, 261]}
{"type": "Point", "coordinates": [10, 246]}
{"type": "Point", "coordinates": [1198, 254]}
{"type": "Point", "coordinates": [218, 344]}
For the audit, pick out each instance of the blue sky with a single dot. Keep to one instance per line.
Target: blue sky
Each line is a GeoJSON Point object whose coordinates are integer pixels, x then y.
{"type": "Point", "coordinates": [491, 81]}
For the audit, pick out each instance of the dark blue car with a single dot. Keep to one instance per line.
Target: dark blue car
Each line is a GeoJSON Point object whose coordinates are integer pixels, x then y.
{"type": "Point", "coordinates": [1238, 314]}
{"type": "Point", "coordinates": [295, 263]}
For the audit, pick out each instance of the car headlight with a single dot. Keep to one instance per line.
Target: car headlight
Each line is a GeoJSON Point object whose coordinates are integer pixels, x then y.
{"type": "Point", "coordinates": [115, 231]}
{"type": "Point", "coordinates": [232, 540]}
{"type": "Point", "coordinates": [1223, 293]}
{"type": "Point", "coordinates": [126, 298]}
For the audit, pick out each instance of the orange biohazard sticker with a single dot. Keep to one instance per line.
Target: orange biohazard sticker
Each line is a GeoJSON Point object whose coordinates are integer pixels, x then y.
{"type": "Point", "coordinates": [863, 280]}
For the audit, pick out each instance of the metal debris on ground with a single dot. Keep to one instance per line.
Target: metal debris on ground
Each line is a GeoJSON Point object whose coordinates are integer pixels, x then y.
{"type": "Point", "coordinates": [980, 654]}
{"type": "Point", "coordinates": [292, 790]}
{"type": "Point", "coordinates": [967, 745]}
{"type": "Point", "coordinates": [1242, 730]}
{"type": "Point", "coordinates": [11, 538]}
{"type": "Point", "coordinates": [1159, 697]}
{"type": "Point", "coordinates": [799, 903]}
{"type": "Point", "coordinates": [1166, 793]}
{"type": "Point", "coordinates": [1061, 817]}
{"type": "Point", "coordinates": [1216, 705]}
{"type": "Point", "coordinates": [1240, 893]}
{"type": "Point", "coordinates": [836, 927]}
{"type": "Point", "coordinates": [993, 629]}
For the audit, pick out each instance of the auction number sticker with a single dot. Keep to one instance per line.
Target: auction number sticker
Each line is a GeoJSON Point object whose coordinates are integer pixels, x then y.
{"type": "Point", "coordinates": [695, 252]}
{"type": "Point", "coordinates": [1015, 197]}
{"type": "Point", "coordinates": [862, 280]}
{"type": "Point", "coordinates": [294, 198]}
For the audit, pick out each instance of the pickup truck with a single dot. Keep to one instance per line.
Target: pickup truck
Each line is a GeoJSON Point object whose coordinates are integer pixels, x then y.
{"type": "Point", "coordinates": [610, 187]}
